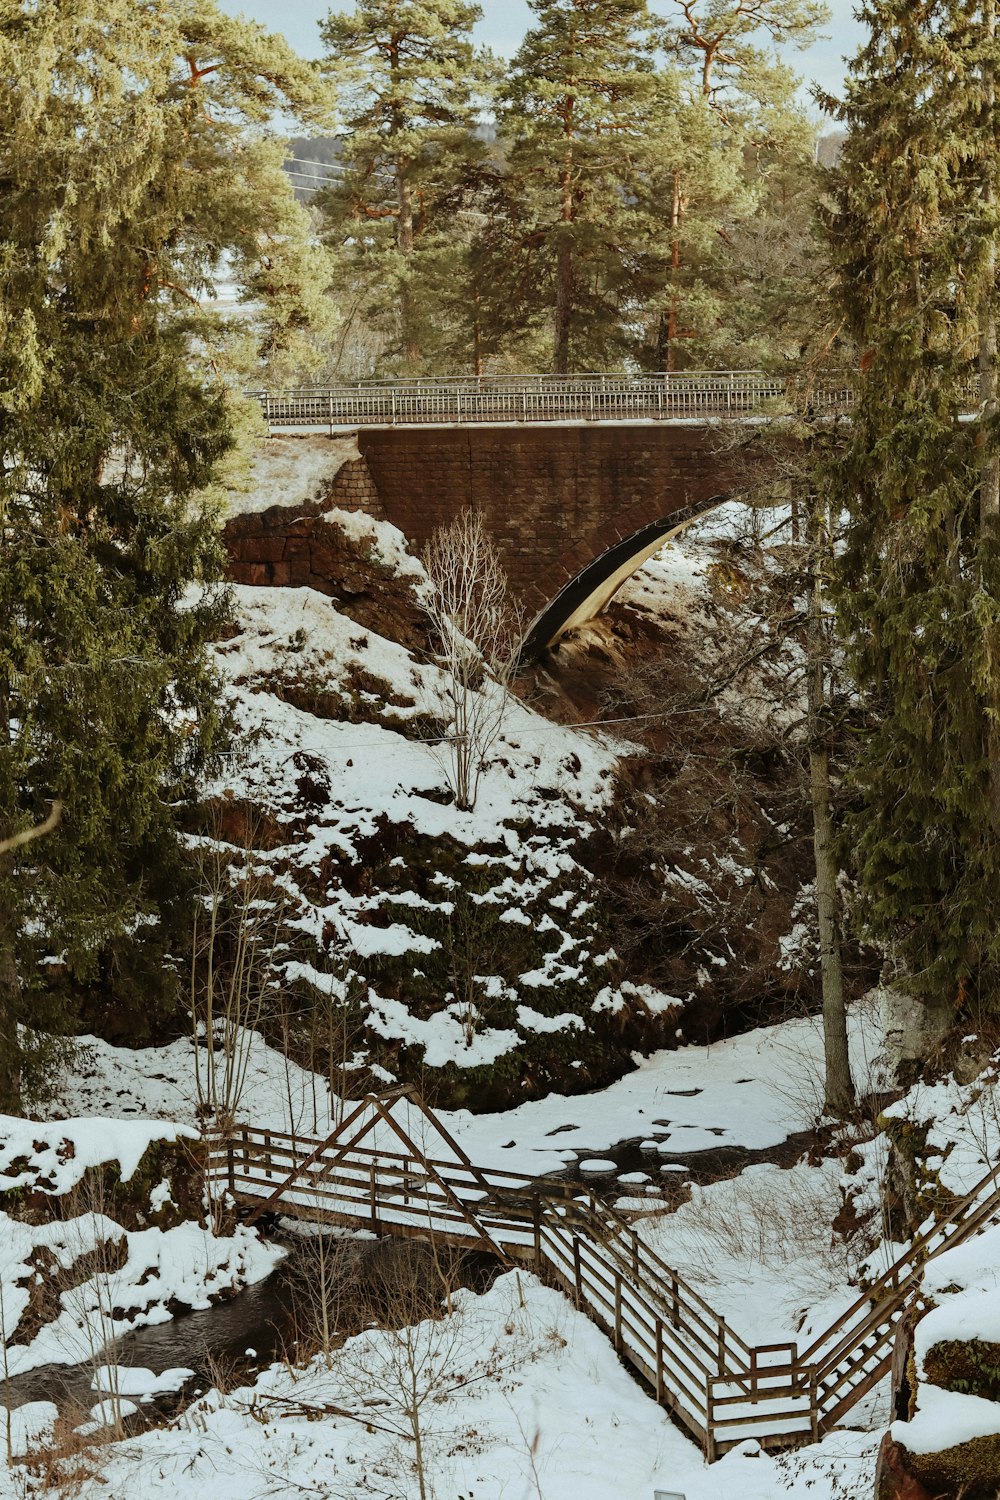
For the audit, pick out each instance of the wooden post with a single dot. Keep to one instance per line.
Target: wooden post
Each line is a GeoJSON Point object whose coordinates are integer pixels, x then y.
{"type": "Point", "coordinates": [618, 1314]}
{"type": "Point", "coordinates": [710, 1453]}
{"type": "Point", "coordinates": [722, 1346]}
{"type": "Point", "coordinates": [675, 1289]}
{"type": "Point", "coordinates": [536, 1220]}
{"type": "Point", "coordinates": [813, 1405]}
{"type": "Point", "coordinates": [373, 1198]}
{"type": "Point", "coordinates": [267, 1153]}
{"type": "Point", "coordinates": [577, 1275]}
{"type": "Point", "coordinates": [231, 1166]}
{"type": "Point", "coordinates": [635, 1252]}
{"type": "Point", "coordinates": [659, 1361]}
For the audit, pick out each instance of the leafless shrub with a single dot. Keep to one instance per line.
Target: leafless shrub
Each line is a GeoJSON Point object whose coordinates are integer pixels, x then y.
{"type": "Point", "coordinates": [324, 1278]}
{"type": "Point", "coordinates": [89, 1293]}
{"type": "Point", "coordinates": [68, 1459]}
{"type": "Point", "coordinates": [232, 948]}
{"type": "Point", "coordinates": [476, 626]}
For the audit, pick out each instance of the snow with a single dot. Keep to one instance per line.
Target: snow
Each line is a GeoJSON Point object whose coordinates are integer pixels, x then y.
{"type": "Point", "coordinates": [385, 541]}
{"type": "Point", "coordinates": [134, 1380]}
{"type": "Point", "coordinates": [376, 770]}
{"type": "Point", "coordinates": [528, 1398]}
{"type": "Point", "coordinates": [186, 1266]}
{"type": "Point", "coordinates": [965, 1282]}
{"type": "Point", "coordinates": [945, 1419]}
{"type": "Point", "coordinates": [52, 1158]}
{"type": "Point", "coordinates": [753, 1090]}
{"type": "Point", "coordinates": [962, 1122]}
{"type": "Point", "coordinates": [760, 1248]}
{"type": "Point", "coordinates": [292, 471]}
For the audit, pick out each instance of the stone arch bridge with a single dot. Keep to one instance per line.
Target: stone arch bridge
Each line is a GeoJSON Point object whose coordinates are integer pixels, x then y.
{"type": "Point", "coordinates": [578, 479]}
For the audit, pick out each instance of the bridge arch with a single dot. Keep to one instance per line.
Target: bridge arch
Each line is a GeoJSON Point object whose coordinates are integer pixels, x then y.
{"type": "Point", "coordinates": [591, 589]}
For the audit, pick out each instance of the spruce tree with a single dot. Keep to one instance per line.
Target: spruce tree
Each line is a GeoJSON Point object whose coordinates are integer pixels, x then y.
{"type": "Point", "coordinates": [915, 233]}
{"type": "Point", "coordinates": [575, 117]}
{"type": "Point", "coordinates": [136, 161]}
{"type": "Point", "coordinates": [410, 85]}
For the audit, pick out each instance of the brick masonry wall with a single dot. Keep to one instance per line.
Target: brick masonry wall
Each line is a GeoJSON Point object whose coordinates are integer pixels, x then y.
{"type": "Point", "coordinates": [292, 546]}
{"type": "Point", "coordinates": [554, 498]}
{"type": "Point", "coordinates": [354, 489]}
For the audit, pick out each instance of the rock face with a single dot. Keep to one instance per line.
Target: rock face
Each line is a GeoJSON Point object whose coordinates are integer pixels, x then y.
{"type": "Point", "coordinates": [892, 1480]}
{"type": "Point", "coordinates": [913, 1031]}
{"type": "Point", "coordinates": [308, 547]}
{"type": "Point", "coordinates": [946, 1445]}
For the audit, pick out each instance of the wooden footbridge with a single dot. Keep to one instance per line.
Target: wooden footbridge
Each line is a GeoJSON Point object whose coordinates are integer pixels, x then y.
{"type": "Point", "coordinates": [392, 1168]}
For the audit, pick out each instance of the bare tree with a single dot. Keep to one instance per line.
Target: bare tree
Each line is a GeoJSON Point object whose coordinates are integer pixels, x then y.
{"type": "Point", "coordinates": [410, 1361]}
{"type": "Point", "coordinates": [477, 630]}
{"type": "Point", "coordinates": [235, 932]}
{"type": "Point", "coordinates": [839, 1085]}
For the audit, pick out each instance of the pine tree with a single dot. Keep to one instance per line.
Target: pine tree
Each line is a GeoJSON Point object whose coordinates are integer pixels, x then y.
{"type": "Point", "coordinates": [136, 158]}
{"type": "Point", "coordinates": [574, 114]}
{"type": "Point", "coordinates": [915, 232]}
{"type": "Point", "coordinates": [719, 192]}
{"type": "Point", "coordinates": [410, 84]}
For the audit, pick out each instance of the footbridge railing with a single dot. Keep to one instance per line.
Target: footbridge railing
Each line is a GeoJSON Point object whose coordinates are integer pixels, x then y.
{"type": "Point", "coordinates": [697, 395]}
{"type": "Point", "coordinates": [377, 1173]}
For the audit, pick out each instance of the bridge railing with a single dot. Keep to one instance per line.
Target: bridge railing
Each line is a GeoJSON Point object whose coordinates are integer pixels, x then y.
{"type": "Point", "coordinates": [518, 399]}
{"type": "Point", "coordinates": [723, 1389]}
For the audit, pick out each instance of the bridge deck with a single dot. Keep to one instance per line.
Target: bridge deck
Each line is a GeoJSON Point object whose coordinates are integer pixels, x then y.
{"type": "Point", "coordinates": [694, 396]}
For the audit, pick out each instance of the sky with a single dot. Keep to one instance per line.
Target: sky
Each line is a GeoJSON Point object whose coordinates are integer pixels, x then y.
{"type": "Point", "coordinates": [505, 21]}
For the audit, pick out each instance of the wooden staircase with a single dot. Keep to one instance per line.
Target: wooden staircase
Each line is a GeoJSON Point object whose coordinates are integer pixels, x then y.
{"type": "Point", "coordinates": [408, 1176]}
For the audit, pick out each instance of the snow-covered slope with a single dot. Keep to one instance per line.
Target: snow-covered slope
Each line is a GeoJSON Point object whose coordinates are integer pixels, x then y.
{"type": "Point", "coordinates": [465, 942]}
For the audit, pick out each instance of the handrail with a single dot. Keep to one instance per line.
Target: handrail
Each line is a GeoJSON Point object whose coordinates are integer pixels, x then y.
{"type": "Point", "coordinates": [528, 399]}
{"type": "Point", "coordinates": [719, 1386]}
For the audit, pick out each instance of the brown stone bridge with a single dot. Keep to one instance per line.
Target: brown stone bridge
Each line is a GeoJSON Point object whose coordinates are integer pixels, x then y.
{"type": "Point", "coordinates": [578, 481]}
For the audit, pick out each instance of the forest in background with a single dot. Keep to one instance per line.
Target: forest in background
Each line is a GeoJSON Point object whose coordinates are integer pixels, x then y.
{"type": "Point", "coordinates": [650, 200]}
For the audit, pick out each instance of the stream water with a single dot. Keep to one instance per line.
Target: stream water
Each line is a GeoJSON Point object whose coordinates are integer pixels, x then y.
{"type": "Point", "coordinates": [238, 1337]}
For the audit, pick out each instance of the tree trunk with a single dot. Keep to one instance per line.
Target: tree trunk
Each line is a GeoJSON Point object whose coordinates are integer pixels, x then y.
{"type": "Point", "coordinates": [838, 1085]}
{"type": "Point", "coordinates": [404, 203]}
{"type": "Point", "coordinates": [10, 995]}
{"type": "Point", "coordinates": [989, 491]}
{"type": "Point", "coordinates": [564, 274]}
{"type": "Point", "coordinates": [676, 204]}
{"type": "Point", "coordinates": [404, 244]}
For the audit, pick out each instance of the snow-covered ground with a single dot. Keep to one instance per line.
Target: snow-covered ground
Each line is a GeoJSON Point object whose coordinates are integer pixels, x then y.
{"type": "Point", "coordinates": [70, 1283]}
{"type": "Point", "coordinates": [753, 1090]}
{"type": "Point", "coordinates": [518, 1396]}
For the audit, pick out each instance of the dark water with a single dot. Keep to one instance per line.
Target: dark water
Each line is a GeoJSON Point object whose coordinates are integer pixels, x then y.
{"type": "Point", "coordinates": [683, 1168]}
{"type": "Point", "coordinates": [259, 1318]}
{"type": "Point", "coordinates": [237, 1337]}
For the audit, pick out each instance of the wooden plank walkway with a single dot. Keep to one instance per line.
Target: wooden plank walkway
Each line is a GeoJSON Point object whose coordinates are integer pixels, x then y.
{"type": "Point", "coordinates": [371, 1173]}
{"type": "Point", "coordinates": [693, 396]}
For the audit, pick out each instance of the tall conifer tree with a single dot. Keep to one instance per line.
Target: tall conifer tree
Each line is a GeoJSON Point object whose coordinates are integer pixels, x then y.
{"type": "Point", "coordinates": [915, 232]}
{"type": "Point", "coordinates": [410, 85]}
{"type": "Point", "coordinates": [575, 115]}
{"type": "Point", "coordinates": [135, 154]}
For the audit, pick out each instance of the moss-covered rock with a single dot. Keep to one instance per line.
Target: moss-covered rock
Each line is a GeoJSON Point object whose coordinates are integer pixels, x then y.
{"type": "Point", "coordinates": [968, 1471]}
{"type": "Point", "coordinates": [971, 1366]}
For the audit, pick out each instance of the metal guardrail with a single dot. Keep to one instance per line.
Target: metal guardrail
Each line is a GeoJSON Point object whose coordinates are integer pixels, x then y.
{"type": "Point", "coordinates": [546, 399]}
{"type": "Point", "coordinates": [722, 1389]}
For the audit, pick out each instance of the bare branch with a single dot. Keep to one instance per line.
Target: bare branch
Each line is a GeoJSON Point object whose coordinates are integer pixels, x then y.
{"type": "Point", "coordinates": [28, 835]}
